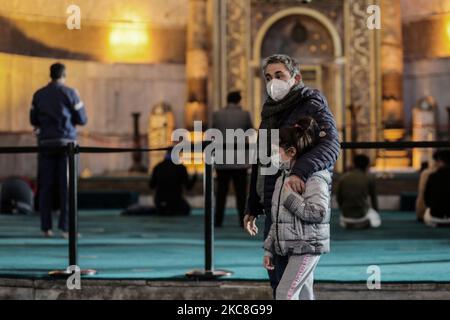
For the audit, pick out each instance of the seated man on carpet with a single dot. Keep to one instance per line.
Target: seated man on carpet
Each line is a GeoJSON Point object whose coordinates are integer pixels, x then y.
{"type": "Point", "coordinates": [168, 180]}
{"type": "Point", "coordinates": [424, 175]}
{"type": "Point", "coordinates": [353, 192]}
{"type": "Point", "coordinates": [437, 198]}
{"type": "Point", "coordinates": [16, 196]}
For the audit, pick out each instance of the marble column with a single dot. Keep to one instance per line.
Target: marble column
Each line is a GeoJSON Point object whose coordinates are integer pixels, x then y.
{"type": "Point", "coordinates": [392, 70]}
{"type": "Point", "coordinates": [197, 63]}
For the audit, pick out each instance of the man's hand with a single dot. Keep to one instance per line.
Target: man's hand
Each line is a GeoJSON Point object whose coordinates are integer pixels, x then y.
{"type": "Point", "coordinates": [250, 225]}
{"type": "Point", "coordinates": [296, 184]}
{"type": "Point", "coordinates": [267, 263]}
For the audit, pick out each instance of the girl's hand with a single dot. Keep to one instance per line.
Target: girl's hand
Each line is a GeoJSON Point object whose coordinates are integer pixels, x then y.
{"type": "Point", "coordinates": [268, 263]}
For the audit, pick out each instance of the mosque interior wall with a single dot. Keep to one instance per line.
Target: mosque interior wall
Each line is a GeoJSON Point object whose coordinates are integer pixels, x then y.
{"type": "Point", "coordinates": [114, 82]}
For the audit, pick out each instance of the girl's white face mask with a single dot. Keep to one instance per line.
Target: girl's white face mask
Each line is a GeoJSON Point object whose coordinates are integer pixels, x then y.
{"type": "Point", "coordinates": [279, 163]}
{"type": "Point", "coordinates": [278, 89]}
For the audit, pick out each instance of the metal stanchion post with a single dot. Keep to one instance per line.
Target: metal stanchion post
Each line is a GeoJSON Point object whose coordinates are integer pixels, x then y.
{"type": "Point", "coordinates": [209, 218]}
{"type": "Point", "coordinates": [209, 273]}
{"type": "Point", "coordinates": [73, 216]}
{"type": "Point", "coordinates": [73, 219]}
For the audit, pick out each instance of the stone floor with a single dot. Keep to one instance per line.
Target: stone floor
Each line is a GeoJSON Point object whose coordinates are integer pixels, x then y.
{"type": "Point", "coordinates": [28, 289]}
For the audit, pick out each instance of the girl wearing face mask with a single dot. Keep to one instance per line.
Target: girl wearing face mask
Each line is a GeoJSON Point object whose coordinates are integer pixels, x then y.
{"type": "Point", "coordinates": [300, 229]}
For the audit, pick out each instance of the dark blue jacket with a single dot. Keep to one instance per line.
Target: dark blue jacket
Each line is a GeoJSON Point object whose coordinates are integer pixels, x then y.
{"type": "Point", "coordinates": [322, 157]}
{"type": "Point", "coordinates": [56, 111]}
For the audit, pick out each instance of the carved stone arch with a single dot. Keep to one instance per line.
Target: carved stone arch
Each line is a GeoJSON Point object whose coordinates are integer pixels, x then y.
{"type": "Point", "coordinates": [337, 43]}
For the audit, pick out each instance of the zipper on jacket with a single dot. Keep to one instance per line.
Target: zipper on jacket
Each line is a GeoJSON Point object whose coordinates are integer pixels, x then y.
{"type": "Point", "coordinates": [278, 213]}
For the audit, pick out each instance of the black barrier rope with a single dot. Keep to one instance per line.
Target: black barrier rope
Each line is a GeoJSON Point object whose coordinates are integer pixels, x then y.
{"type": "Point", "coordinates": [209, 272]}
{"type": "Point", "coordinates": [35, 149]}
{"type": "Point", "coordinates": [77, 149]}
{"type": "Point", "coordinates": [118, 150]}
{"type": "Point", "coordinates": [396, 145]}
{"type": "Point", "coordinates": [344, 145]}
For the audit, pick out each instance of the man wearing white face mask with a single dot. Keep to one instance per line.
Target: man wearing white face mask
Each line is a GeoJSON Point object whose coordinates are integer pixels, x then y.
{"type": "Point", "coordinates": [277, 89]}
{"type": "Point", "coordinates": [289, 100]}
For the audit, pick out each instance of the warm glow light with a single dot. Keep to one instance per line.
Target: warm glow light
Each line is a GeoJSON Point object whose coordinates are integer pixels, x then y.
{"type": "Point", "coordinates": [444, 45]}
{"type": "Point", "coordinates": [127, 35]}
{"type": "Point", "coordinates": [129, 41]}
{"type": "Point", "coordinates": [448, 29]}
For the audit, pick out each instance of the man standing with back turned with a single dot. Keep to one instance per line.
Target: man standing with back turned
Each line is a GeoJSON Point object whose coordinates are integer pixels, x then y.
{"type": "Point", "coordinates": [55, 112]}
{"type": "Point", "coordinates": [231, 117]}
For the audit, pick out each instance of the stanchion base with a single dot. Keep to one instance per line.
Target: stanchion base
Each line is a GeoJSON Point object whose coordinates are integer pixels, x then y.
{"type": "Point", "coordinates": [65, 273]}
{"type": "Point", "coordinates": [208, 274]}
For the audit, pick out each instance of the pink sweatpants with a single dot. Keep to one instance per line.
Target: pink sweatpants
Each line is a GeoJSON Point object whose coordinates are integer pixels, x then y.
{"type": "Point", "coordinates": [298, 278]}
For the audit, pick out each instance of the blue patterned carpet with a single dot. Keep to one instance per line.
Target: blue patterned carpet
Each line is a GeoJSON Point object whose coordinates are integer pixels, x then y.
{"type": "Point", "coordinates": [165, 248]}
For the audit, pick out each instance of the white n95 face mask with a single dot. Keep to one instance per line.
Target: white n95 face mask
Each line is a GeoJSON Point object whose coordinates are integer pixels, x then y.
{"type": "Point", "coordinates": [279, 163]}
{"type": "Point", "coordinates": [278, 89]}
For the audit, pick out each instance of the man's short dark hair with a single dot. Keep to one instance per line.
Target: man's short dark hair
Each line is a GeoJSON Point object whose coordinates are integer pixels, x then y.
{"type": "Point", "coordinates": [234, 97]}
{"type": "Point", "coordinates": [57, 71]}
{"type": "Point", "coordinates": [361, 161]}
{"type": "Point", "coordinates": [443, 155]}
{"type": "Point", "coordinates": [290, 63]}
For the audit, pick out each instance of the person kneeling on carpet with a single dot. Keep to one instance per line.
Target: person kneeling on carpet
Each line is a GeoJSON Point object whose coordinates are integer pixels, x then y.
{"type": "Point", "coordinates": [16, 196]}
{"type": "Point", "coordinates": [353, 191]}
{"type": "Point", "coordinates": [168, 180]}
{"type": "Point", "coordinates": [424, 176]}
{"type": "Point", "coordinates": [437, 188]}
{"type": "Point", "coordinates": [300, 226]}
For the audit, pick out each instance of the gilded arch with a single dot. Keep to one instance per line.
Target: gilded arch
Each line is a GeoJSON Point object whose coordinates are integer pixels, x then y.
{"type": "Point", "coordinates": [256, 82]}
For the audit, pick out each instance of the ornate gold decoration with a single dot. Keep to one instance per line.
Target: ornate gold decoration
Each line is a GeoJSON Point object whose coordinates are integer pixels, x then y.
{"type": "Point", "coordinates": [237, 46]}
{"type": "Point", "coordinates": [361, 72]}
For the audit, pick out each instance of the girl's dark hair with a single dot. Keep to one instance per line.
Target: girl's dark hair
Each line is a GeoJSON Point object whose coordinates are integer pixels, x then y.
{"type": "Point", "coordinates": [303, 136]}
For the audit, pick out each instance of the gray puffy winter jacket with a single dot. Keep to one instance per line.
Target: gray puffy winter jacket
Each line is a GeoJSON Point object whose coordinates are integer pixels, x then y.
{"type": "Point", "coordinates": [301, 223]}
